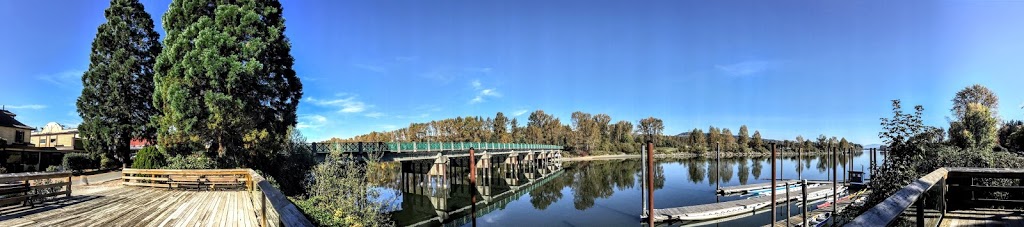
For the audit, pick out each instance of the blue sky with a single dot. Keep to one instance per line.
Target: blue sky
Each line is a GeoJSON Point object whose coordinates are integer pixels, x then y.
{"type": "Point", "coordinates": [786, 68]}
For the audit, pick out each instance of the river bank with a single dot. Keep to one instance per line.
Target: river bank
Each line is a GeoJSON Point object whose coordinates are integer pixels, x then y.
{"type": "Point", "coordinates": [692, 155]}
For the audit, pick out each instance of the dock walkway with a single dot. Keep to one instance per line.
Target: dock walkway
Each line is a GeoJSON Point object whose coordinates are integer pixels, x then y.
{"type": "Point", "coordinates": [133, 206]}
{"type": "Point", "coordinates": [740, 189]}
{"type": "Point", "coordinates": [730, 208]}
{"type": "Point", "coordinates": [798, 219]}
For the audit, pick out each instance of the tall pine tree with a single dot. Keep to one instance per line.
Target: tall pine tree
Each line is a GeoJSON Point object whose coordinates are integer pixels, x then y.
{"type": "Point", "coordinates": [116, 101]}
{"type": "Point", "coordinates": [225, 82]}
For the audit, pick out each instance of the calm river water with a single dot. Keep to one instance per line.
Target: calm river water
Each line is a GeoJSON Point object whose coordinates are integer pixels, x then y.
{"type": "Point", "coordinates": [591, 193]}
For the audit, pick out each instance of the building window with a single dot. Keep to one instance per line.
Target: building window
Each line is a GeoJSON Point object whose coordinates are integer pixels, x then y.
{"type": "Point", "coordinates": [42, 141]}
{"type": "Point", "coordinates": [53, 140]}
{"type": "Point", "coordinates": [19, 136]}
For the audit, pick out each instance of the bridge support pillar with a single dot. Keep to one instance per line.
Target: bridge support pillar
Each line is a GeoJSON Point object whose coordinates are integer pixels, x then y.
{"type": "Point", "coordinates": [438, 172]}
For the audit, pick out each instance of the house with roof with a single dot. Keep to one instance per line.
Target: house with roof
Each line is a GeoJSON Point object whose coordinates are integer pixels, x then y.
{"type": "Point", "coordinates": [13, 133]}
{"type": "Point", "coordinates": [57, 136]}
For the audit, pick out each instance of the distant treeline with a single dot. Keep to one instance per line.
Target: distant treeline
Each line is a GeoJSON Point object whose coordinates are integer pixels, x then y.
{"type": "Point", "coordinates": [587, 134]}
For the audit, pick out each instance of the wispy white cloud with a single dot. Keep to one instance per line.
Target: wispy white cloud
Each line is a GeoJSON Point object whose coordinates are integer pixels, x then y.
{"type": "Point", "coordinates": [30, 107]}
{"type": "Point", "coordinates": [65, 79]}
{"type": "Point", "coordinates": [347, 104]}
{"type": "Point", "coordinates": [519, 112]}
{"type": "Point", "coordinates": [747, 68]}
{"type": "Point", "coordinates": [374, 114]}
{"type": "Point", "coordinates": [311, 121]}
{"type": "Point", "coordinates": [482, 93]}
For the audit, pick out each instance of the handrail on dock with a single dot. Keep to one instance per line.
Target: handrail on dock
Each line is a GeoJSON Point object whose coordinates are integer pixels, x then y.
{"type": "Point", "coordinates": [946, 181]}
{"type": "Point", "coordinates": [274, 207]}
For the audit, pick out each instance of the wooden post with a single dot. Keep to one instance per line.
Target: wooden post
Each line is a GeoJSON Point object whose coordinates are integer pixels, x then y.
{"type": "Point", "coordinates": [472, 167]}
{"type": "Point", "coordinates": [650, 183]}
{"type": "Point", "coordinates": [263, 209]}
{"type": "Point", "coordinates": [920, 210]}
{"type": "Point", "coordinates": [69, 185]}
{"type": "Point", "coordinates": [773, 186]}
{"type": "Point", "coordinates": [803, 183]}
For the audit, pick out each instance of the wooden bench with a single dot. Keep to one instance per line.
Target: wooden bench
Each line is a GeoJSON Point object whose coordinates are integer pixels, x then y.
{"type": "Point", "coordinates": [185, 181]}
{"type": "Point", "coordinates": [225, 182]}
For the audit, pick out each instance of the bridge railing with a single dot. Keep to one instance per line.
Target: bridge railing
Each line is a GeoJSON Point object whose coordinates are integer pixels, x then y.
{"type": "Point", "coordinates": [424, 146]}
{"type": "Point", "coordinates": [925, 201]}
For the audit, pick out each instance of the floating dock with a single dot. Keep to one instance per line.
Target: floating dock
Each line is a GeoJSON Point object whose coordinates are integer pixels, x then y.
{"type": "Point", "coordinates": [735, 207]}
{"type": "Point", "coordinates": [798, 219]}
{"type": "Point", "coordinates": [744, 189]}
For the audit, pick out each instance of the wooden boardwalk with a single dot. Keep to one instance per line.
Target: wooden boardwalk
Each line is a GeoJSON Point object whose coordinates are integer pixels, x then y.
{"type": "Point", "coordinates": [983, 217]}
{"type": "Point", "coordinates": [729, 208]}
{"type": "Point", "coordinates": [134, 206]}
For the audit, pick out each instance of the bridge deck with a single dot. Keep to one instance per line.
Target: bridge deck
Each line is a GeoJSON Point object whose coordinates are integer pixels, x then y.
{"type": "Point", "coordinates": [131, 206]}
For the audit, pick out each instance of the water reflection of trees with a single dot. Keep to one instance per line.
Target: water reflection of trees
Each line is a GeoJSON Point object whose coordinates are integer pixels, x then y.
{"type": "Point", "coordinates": [756, 162]}
{"type": "Point", "coordinates": [593, 180]}
{"type": "Point", "coordinates": [696, 169]}
{"type": "Point", "coordinates": [744, 171]}
{"type": "Point", "coordinates": [724, 172]}
{"type": "Point", "coordinates": [546, 194]}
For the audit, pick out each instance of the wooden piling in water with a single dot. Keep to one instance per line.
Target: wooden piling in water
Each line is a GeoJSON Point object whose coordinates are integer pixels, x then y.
{"type": "Point", "coordinates": [650, 183]}
{"type": "Point", "coordinates": [773, 185]}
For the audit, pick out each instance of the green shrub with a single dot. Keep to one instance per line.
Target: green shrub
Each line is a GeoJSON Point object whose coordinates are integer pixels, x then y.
{"type": "Point", "coordinates": [196, 160]}
{"type": "Point", "coordinates": [341, 194]}
{"type": "Point", "coordinates": [149, 158]}
{"type": "Point", "coordinates": [109, 163]}
{"type": "Point", "coordinates": [76, 162]}
{"type": "Point", "coordinates": [53, 169]}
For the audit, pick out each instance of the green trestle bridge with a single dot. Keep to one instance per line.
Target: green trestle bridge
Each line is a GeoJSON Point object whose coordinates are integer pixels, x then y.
{"type": "Point", "coordinates": [406, 151]}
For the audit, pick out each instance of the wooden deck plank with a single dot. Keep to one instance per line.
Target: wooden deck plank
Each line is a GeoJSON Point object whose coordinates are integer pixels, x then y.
{"type": "Point", "coordinates": [134, 206]}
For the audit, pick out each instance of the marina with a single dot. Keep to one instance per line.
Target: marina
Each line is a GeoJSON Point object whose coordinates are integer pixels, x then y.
{"type": "Point", "coordinates": [736, 207]}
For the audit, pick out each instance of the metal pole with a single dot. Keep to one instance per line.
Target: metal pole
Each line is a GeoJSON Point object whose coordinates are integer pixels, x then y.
{"type": "Point", "coordinates": [718, 169]}
{"type": "Point", "coordinates": [643, 187]}
{"type": "Point", "coordinates": [803, 183]}
{"type": "Point", "coordinates": [788, 212]}
{"type": "Point", "coordinates": [650, 183]}
{"type": "Point", "coordinates": [835, 187]}
{"type": "Point", "coordinates": [773, 186]}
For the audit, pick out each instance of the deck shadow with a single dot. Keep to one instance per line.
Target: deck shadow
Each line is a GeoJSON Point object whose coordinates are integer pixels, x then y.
{"type": "Point", "coordinates": [18, 211]}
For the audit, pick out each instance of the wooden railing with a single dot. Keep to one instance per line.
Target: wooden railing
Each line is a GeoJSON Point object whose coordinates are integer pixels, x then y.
{"type": "Point", "coordinates": [272, 207]}
{"type": "Point", "coordinates": [962, 183]}
{"type": "Point", "coordinates": [181, 178]}
{"type": "Point", "coordinates": [26, 188]}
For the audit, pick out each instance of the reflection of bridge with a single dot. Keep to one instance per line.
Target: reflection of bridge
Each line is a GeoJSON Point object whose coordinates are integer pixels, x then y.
{"type": "Point", "coordinates": [405, 151]}
{"type": "Point", "coordinates": [437, 193]}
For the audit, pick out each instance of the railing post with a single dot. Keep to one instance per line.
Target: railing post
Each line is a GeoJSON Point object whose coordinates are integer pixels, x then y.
{"type": "Point", "coordinates": [69, 184]}
{"type": "Point", "coordinates": [920, 209]}
{"type": "Point", "coordinates": [942, 194]}
{"type": "Point", "coordinates": [263, 209]}
{"type": "Point", "coordinates": [414, 146]}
